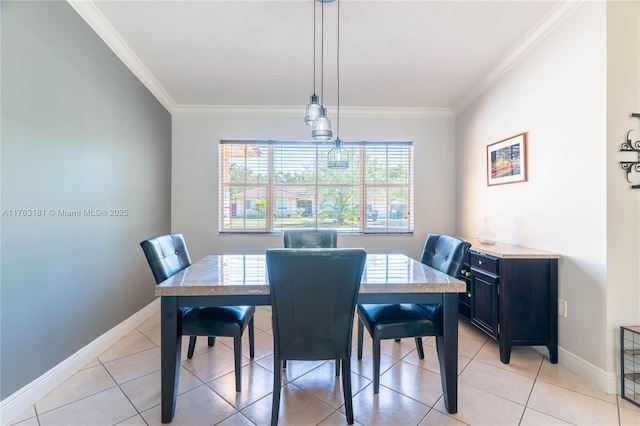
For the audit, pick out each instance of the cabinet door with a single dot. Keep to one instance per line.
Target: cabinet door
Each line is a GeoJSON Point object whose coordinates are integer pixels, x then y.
{"type": "Point", "coordinates": [484, 302]}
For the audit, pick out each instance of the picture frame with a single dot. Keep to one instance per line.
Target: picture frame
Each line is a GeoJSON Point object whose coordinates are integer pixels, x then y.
{"type": "Point", "coordinates": [507, 160]}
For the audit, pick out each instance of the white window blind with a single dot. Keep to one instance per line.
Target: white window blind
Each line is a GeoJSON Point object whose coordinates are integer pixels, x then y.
{"type": "Point", "coordinates": [268, 186]}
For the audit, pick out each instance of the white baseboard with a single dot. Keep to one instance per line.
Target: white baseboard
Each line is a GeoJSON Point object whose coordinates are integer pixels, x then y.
{"type": "Point", "coordinates": [16, 404]}
{"type": "Point", "coordinates": [603, 380]}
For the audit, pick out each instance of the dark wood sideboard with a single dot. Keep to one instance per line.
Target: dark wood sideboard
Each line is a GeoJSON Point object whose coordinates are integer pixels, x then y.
{"type": "Point", "coordinates": [512, 295]}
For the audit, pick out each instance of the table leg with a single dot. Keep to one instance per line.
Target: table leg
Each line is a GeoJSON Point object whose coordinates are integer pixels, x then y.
{"type": "Point", "coordinates": [170, 349]}
{"type": "Point", "coordinates": [447, 347]}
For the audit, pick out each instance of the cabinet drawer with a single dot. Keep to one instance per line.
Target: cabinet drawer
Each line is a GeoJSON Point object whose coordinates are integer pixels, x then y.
{"type": "Point", "coordinates": [484, 262]}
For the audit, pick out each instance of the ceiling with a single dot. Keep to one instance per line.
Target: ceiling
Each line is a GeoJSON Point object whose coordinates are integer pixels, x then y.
{"type": "Point", "coordinates": [393, 54]}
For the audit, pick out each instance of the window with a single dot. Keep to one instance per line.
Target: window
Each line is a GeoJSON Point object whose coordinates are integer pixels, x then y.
{"type": "Point", "coordinates": [268, 186]}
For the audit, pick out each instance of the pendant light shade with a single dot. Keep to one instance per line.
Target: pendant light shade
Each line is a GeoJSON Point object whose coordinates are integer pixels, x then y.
{"type": "Point", "coordinates": [322, 127]}
{"type": "Point", "coordinates": [313, 111]}
{"type": "Point", "coordinates": [338, 157]}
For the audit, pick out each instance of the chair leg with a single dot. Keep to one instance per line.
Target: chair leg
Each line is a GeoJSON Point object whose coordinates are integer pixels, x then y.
{"type": "Point", "coordinates": [252, 346]}
{"type": "Point", "coordinates": [211, 340]}
{"type": "Point", "coordinates": [419, 347]}
{"type": "Point", "coordinates": [346, 389]}
{"type": "Point", "coordinates": [277, 385]}
{"type": "Point", "coordinates": [360, 337]}
{"type": "Point", "coordinates": [337, 367]}
{"type": "Point", "coordinates": [192, 346]}
{"type": "Point", "coordinates": [284, 364]}
{"type": "Point", "coordinates": [237, 357]}
{"type": "Point", "coordinates": [376, 365]}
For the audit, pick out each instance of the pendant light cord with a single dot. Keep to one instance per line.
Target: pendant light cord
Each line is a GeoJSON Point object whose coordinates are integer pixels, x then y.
{"type": "Point", "coordinates": [314, 47]}
{"type": "Point", "coordinates": [322, 57]}
{"type": "Point", "coordinates": [338, 75]}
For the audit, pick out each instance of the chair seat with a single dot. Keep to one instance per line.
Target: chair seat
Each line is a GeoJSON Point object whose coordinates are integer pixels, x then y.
{"type": "Point", "coordinates": [397, 321]}
{"type": "Point", "coordinates": [217, 320]}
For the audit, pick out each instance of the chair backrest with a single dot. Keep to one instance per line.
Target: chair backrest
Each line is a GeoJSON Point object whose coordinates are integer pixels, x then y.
{"type": "Point", "coordinates": [311, 238]}
{"type": "Point", "coordinates": [313, 298]}
{"type": "Point", "coordinates": [167, 255]}
{"type": "Point", "coordinates": [445, 253]}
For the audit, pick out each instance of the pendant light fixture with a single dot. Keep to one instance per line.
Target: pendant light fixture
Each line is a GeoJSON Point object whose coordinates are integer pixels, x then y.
{"type": "Point", "coordinates": [313, 109]}
{"type": "Point", "coordinates": [338, 157]}
{"type": "Point", "coordinates": [322, 126]}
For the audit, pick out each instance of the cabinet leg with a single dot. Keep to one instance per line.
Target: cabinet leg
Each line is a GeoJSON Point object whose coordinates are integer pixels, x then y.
{"type": "Point", "coordinates": [505, 352]}
{"type": "Point", "coordinates": [553, 353]}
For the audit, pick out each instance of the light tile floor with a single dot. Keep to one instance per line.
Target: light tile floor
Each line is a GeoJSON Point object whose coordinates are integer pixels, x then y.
{"type": "Point", "coordinates": [122, 387]}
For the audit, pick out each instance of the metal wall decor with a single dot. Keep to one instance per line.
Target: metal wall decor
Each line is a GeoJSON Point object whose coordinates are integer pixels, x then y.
{"type": "Point", "coordinates": [629, 146]}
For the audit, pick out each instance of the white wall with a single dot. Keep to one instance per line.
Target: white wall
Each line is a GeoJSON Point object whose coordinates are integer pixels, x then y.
{"type": "Point", "coordinates": [194, 209]}
{"type": "Point", "coordinates": [557, 94]}
{"type": "Point", "coordinates": [623, 216]}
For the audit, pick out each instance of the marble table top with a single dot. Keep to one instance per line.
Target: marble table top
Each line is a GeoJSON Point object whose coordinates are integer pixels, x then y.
{"type": "Point", "coordinates": [247, 275]}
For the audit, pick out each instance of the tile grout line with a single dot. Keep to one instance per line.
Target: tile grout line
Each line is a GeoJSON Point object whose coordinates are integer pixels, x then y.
{"type": "Point", "coordinates": [535, 380]}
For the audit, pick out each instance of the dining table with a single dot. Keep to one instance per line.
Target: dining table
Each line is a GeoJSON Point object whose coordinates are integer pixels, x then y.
{"type": "Point", "coordinates": [242, 279]}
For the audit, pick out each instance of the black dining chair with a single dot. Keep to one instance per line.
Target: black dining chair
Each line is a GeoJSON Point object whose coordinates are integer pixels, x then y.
{"type": "Point", "coordinates": [313, 299]}
{"type": "Point", "coordinates": [311, 238]}
{"type": "Point", "coordinates": [399, 321]}
{"type": "Point", "coordinates": [167, 255]}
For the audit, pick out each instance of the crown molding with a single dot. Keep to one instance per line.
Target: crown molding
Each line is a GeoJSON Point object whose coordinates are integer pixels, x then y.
{"type": "Point", "coordinates": [96, 20]}
{"type": "Point", "coordinates": [552, 19]}
{"type": "Point", "coordinates": [298, 111]}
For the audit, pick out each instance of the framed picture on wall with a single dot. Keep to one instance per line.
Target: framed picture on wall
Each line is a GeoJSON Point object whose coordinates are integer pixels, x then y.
{"type": "Point", "coordinates": [507, 160]}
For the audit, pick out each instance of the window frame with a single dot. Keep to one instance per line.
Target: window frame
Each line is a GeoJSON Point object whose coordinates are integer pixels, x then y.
{"type": "Point", "coordinates": [363, 208]}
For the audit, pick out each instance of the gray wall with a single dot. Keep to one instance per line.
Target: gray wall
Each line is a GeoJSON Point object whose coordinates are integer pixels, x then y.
{"type": "Point", "coordinates": [79, 131]}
